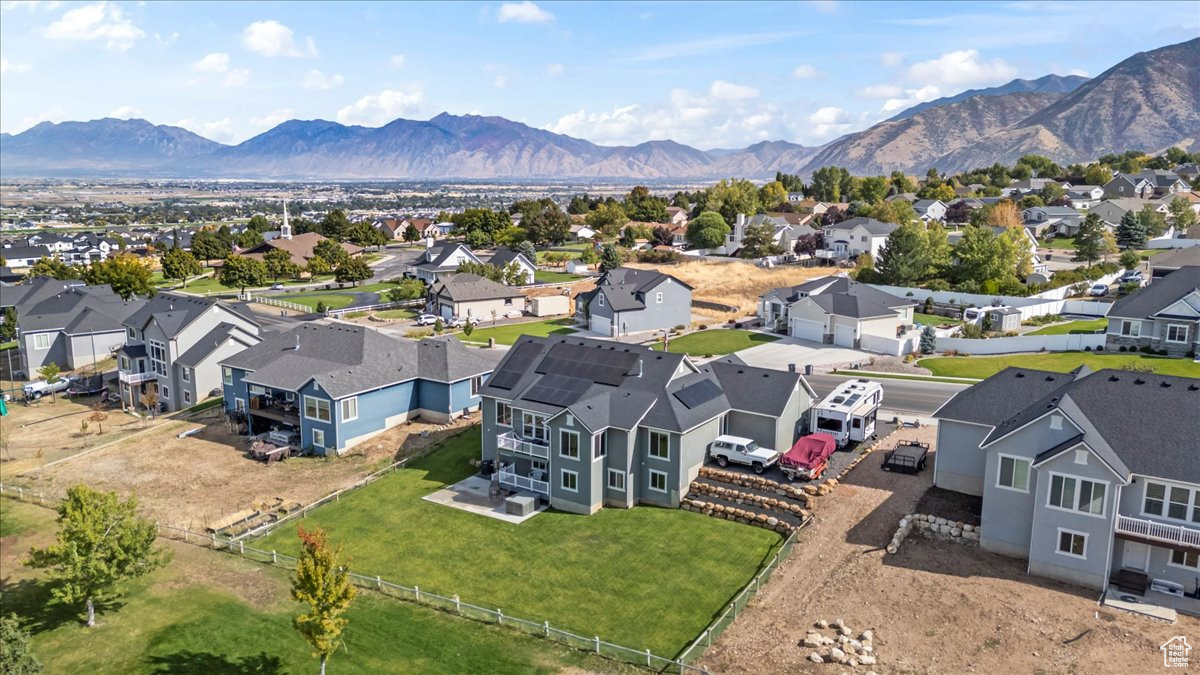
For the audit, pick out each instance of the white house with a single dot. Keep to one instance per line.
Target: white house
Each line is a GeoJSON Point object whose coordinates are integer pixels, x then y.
{"type": "Point", "coordinates": [855, 236]}
{"type": "Point", "coordinates": [836, 310]}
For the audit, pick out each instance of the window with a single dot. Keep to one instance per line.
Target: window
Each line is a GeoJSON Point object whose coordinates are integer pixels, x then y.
{"type": "Point", "coordinates": [533, 428]}
{"type": "Point", "coordinates": [187, 396]}
{"type": "Point", "coordinates": [186, 373]}
{"type": "Point", "coordinates": [569, 480]}
{"type": "Point", "coordinates": [658, 298]}
{"type": "Point", "coordinates": [122, 363]}
{"type": "Point", "coordinates": [1156, 499]}
{"type": "Point", "coordinates": [658, 481]}
{"type": "Point", "coordinates": [1177, 507]}
{"type": "Point", "coordinates": [350, 409]}
{"type": "Point", "coordinates": [158, 357]}
{"type": "Point", "coordinates": [1014, 473]}
{"type": "Point", "coordinates": [508, 302]}
{"type": "Point", "coordinates": [1076, 494]}
{"type": "Point", "coordinates": [660, 445]}
{"type": "Point", "coordinates": [1073, 544]}
{"type": "Point", "coordinates": [316, 409]}
{"type": "Point", "coordinates": [1062, 492]}
{"type": "Point", "coordinates": [600, 299]}
{"type": "Point", "coordinates": [568, 444]}
{"type": "Point", "coordinates": [1131, 328]}
{"type": "Point", "coordinates": [1188, 559]}
{"type": "Point", "coordinates": [41, 341]}
{"type": "Point", "coordinates": [1091, 497]}
{"type": "Point", "coordinates": [599, 445]}
{"type": "Point", "coordinates": [166, 393]}
{"type": "Point", "coordinates": [239, 404]}
{"type": "Point", "coordinates": [318, 436]}
{"type": "Point", "coordinates": [503, 414]}
{"type": "Point", "coordinates": [227, 375]}
{"type": "Point", "coordinates": [476, 385]}
{"type": "Point", "coordinates": [1177, 332]}
{"type": "Point", "coordinates": [131, 333]}
{"type": "Point", "coordinates": [829, 424]}
{"type": "Point", "coordinates": [616, 479]}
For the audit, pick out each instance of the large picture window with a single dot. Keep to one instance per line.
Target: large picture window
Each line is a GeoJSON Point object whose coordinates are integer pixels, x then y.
{"type": "Point", "coordinates": [503, 414]}
{"type": "Point", "coordinates": [660, 445]}
{"type": "Point", "coordinates": [316, 409]}
{"type": "Point", "coordinates": [1014, 473]}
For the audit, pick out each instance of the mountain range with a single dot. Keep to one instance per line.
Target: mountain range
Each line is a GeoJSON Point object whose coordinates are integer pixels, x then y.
{"type": "Point", "coordinates": [1149, 101]}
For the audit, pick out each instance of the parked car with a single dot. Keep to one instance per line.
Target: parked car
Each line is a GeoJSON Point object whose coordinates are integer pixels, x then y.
{"type": "Point", "coordinates": [277, 287]}
{"type": "Point", "coordinates": [1132, 275]}
{"type": "Point", "coordinates": [427, 319]}
{"type": "Point", "coordinates": [1099, 290]}
{"type": "Point", "coordinates": [726, 449]}
{"type": "Point", "coordinates": [35, 390]}
{"type": "Point", "coordinates": [458, 322]}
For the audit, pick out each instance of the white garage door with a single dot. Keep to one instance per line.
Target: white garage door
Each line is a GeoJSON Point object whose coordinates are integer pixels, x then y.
{"type": "Point", "coordinates": [813, 331]}
{"type": "Point", "coordinates": [447, 312]}
{"type": "Point", "coordinates": [601, 325]}
{"type": "Point", "coordinates": [843, 336]}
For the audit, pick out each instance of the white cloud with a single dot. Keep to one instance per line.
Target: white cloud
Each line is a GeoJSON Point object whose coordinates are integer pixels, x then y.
{"type": "Point", "coordinates": [830, 121]}
{"type": "Point", "coordinates": [236, 78]}
{"type": "Point", "coordinates": [271, 38]}
{"type": "Point", "coordinates": [910, 98]}
{"type": "Point", "coordinates": [272, 119]}
{"type": "Point", "coordinates": [217, 62]}
{"type": "Point", "coordinates": [166, 41]}
{"type": "Point", "coordinates": [805, 72]}
{"type": "Point", "coordinates": [824, 6]}
{"type": "Point", "coordinates": [555, 69]}
{"type": "Point", "coordinates": [891, 59]}
{"type": "Point", "coordinates": [317, 81]}
{"type": "Point", "coordinates": [882, 91]}
{"type": "Point", "coordinates": [961, 68]}
{"type": "Point", "coordinates": [125, 112]}
{"type": "Point", "coordinates": [7, 66]}
{"type": "Point", "coordinates": [523, 12]}
{"type": "Point", "coordinates": [727, 91]}
{"type": "Point", "coordinates": [697, 47]}
{"type": "Point", "coordinates": [396, 62]}
{"type": "Point", "coordinates": [381, 108]}
{"type": "Point", "coordinates": [99, 21]}
{"type": "Point", "coordinates": [500, 82]}
{"type": "Point", "coordinates": [31, 5]}
{"type": "Point", "coordinates": [220, 130]}
{"type": "Point", "coordinates": [1079, 72]}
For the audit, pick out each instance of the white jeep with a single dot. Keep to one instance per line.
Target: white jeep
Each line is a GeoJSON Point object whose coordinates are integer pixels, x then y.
{"type": "Point", "coordinates": [726, 449]}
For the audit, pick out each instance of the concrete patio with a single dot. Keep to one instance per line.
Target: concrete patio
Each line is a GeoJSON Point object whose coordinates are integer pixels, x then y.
{"type": "Point", "coordinates": [473, 495]}
{"type": "Point", "coordinates": [789, 350]}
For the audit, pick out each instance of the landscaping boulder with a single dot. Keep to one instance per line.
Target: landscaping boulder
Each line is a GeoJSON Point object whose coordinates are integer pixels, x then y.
{"type": "Point", "coordinates": [815, 658]}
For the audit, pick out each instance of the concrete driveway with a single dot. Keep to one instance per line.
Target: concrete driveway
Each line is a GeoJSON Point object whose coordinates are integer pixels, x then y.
{"type": "Point", "coordinates": [790, 350]}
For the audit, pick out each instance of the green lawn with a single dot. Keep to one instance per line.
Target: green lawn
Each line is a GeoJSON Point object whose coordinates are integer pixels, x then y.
{"type": "Point", "coordinates": [209, 612]}
{"type": "Point", "coordinates": [335, 299]}
{"type": "Point", "coordinates": [11, 344]}
{"type": "Point", "coordinates": [1059, 243]}
{"type": "Point", "coordinates": [717, 342]}
{"type": "Point", "coordinates": [545, 277]}
{"type": "Point", "coordinates": [17, 517]}
{"type": "Point", "coordinates": [395, 314]}
{"type": "Point", "coordinates": [985, 366]}
{"type": "Point", "coordinates": [644, 577]}
{"type": "Point", "coordinates": [508, 333]}
{"type": "Point", "coordinates": [1072, 328]}
{"type": "Point", "coordinates": [212, 285]}
{"type": "Point", "coordinates": [931, 319]}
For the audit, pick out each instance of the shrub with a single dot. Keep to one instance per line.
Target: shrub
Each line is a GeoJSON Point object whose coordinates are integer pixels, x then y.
{"type": "Point", "coordinates": [938, 285]}
{"type": "Point", "coordinates": [703, 327]}
{"type": "Point", "coordinates": [1121, 348]}
{"type": "Point", "coordinates": [1146, 349]}
{"type": "Point", "coordinates": [321, 307]}
{"type": "Point", "coordinates": [680, 327]}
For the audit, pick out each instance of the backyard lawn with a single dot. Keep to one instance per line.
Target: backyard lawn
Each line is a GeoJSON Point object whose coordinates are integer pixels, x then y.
{"type": "Point", "coordinates": [931, 319]}
{"type": "Point", "coordinates": [1059, 243]}
{"type": "Point", "coordinates": [717, 342]}
{"type": "Point", "coordinates": [644, 577]}
{"type": "Point", "coordinates": [507, 334]}
{"type": "Point", "coordinates": [985, 366]}
{"type": "Point", "coordinates": [1072, 328]}
{"type": "Point", "coordinates": [547, 277]}
{"type": "Point", "coordinates": [209, 612]}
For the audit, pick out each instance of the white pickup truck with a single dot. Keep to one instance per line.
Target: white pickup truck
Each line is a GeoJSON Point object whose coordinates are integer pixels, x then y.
{"type": "Point", "coordinates": [35, 390]}
{"type": "Point", "coordinates": [726, 449]}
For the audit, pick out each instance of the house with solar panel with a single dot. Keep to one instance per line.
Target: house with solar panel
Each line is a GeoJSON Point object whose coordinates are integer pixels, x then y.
{"type": "Point", "coordinates": [627, 300]}
{"type": "Point", "coordinates": [585, 423]}
{"type": "Point", "coordinates": [324, 388]}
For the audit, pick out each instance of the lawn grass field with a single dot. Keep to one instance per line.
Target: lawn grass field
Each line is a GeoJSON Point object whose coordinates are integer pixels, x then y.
{"type": "Point", "coordinates": [17, 518]}
{"type": "Point", "coordinates": [644, 577]}
{"type": "Point", "coordinates": [548, 277]}
{"type": "Point", "coordinates": [1072, 328]}
{"type": "Point", "coordinates": [1059, 243]}
{"type": "Point", "coordinates": [986, 366]}
{"type": "Point", "coordinates": [931, 319]}
{"type": "Point", "coordinates": [337, 298]}
{"type": "Point", "coordinates": [210, 612]}
{"type": "Point", "coordinates": [395, 314]}
{"type": "Point", "coordinates": [507, 334]}
{"type": "Point", "coordinates": [717, 342]}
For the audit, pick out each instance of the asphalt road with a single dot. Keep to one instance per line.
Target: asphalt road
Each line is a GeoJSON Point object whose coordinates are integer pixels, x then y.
{"type": "Point", "coordinates": [912, 397]}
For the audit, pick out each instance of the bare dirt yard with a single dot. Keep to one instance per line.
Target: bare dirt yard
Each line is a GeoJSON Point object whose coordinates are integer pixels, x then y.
{"type": "Point", "coordinates": [735, 283]}
{"type": "Point", "coordinates": [935, 607]}
{"type": "Point", "coordinates": [201, 479]}
{"type": "Point", "coordinates": [49, 430]}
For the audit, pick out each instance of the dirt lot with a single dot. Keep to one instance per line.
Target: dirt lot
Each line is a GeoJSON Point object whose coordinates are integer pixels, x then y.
{"type": "Point", "coordinates": [735, 283]}
{"type": "Point", "coordinates": [197, 481]}
{"type": "Point", "coordinates": [50, 430]}
{"type": "Point", "coordinates": [935, 607]}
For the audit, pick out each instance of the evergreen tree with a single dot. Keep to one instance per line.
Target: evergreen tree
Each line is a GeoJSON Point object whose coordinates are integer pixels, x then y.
{"type": "Point", "coordinates": [903, 258]}
{"type": "Point", "coordinates": [1130, 232]}
{"type": "Point", "coordinates": [928, 340]}
{"type": "Point", "coordinates": [15, 657]}
{"type": "Point", "coordinates": [1089, 240]}
{"type": "Point", "coordinates": [610, 258]}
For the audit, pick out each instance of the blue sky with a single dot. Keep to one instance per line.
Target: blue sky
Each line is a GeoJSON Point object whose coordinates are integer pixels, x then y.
{"type": "Point", "coordinates": [705, 74]}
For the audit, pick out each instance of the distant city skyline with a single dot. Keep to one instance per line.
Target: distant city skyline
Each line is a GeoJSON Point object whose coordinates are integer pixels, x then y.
{"type": "Point", "coordinates": [707, 75]}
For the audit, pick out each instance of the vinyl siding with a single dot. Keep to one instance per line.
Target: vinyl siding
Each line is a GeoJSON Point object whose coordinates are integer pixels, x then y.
{"type": "Point", "coordinates": [959, 462]}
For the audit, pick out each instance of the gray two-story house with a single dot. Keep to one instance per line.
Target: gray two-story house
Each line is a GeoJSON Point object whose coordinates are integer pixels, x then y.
{"type": "Point", "coordinates": [1164, 316]}
{"type": "Point", "coordinates": [588, 423]}
{"type": "Point", "coordinates": [67, 323]}
{"type": "Point", "coordinates": [1090, 476]}
{"type": "Point", "coordinates": [628, 300]}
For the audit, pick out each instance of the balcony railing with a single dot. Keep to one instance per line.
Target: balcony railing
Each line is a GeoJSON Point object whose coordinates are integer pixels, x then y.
{"type": "Point", "coordinates": [509, 441]}
{"type": "Point", "coordinates": [519, 482]}
{"type": "Point", "coordinates": [137, 378]}
{"type": "Point", "coordinates": [1154, 530]}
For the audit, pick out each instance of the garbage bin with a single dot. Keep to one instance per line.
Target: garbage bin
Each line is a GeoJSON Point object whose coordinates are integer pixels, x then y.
{"type": "Point", "coordinates": [808, 369]}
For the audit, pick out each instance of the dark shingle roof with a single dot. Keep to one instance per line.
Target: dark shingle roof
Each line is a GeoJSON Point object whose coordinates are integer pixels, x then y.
{"type": "Point", "coordinates": [1159, 295]}
{"type": "Point", "coordinates": [844, 297]}
{"type": "Point", "coordinates": [175, 311]}
{"type": "Point", "coordinates": [758, 390]}
{"type": "Point", "coordinates": [625, 287]}
{"type": "Point", "coordinates": [211, 341]}
{"type": "Point", "coordinates": [468, 287]}
{"type": "Point", "coordinates": [1001, 396]}
{"type": "Point", "coordinates": [1180, 257]}
{"type": "Point", "coordinates": [503, 256]}
{"type": "Point", "coordinates": [50, 304]}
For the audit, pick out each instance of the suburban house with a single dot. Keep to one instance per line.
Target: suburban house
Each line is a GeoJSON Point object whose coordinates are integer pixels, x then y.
{"type": "Point", "coordinates": [19, 256]}
{"type": "Point", "coordinates": [1164, 316]}
{"type": "Point", "coordinates": [678, 216]}
{"type": "Point", "coordinates": [1162, 182]}
{"type": "Point", "coordinates": [785, 229]}
{"type": "Point", "coordinates": [930, 210]}
{"type": "Point", "coordinates": [328, 387]}
{"type": "Point", "coordinates": [465, 296]}
{"type": "Point", "coordinates": [175, 342]}
{"type": "Point", "coordinates": [837, 310]}
{"type": "Point", "coordinates": [1128, 185]}
{"type": "Point", "coordinates": [1162, 264]}
{"type": "Point", "coordinates": [1062, 220]}
{"type": "Point", "coordinates": [627, 300]}
{"type": "Point", "coordinates": [439, 259]}
{"type": "Point", "coordinates": [1112, 210]}
{"type": "Point", "coordinates": [590, 423]}
{"type": "Point", "coordinates": [855, 236]}
{"type": "Point", "coordinates": [67, 323]}
{"type": "Point", "coordinates": [503, 257]}
{"type": "Point", "coordinates": [1069, 484]}
{"type": "Point", "coordinates": [1084, 197]}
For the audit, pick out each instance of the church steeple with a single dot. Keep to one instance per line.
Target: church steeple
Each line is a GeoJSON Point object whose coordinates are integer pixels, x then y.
{"type": "Point", "coordinates": [285, 232]}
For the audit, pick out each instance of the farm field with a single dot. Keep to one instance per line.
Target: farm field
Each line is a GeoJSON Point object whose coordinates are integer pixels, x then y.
{"type": "Point", "coordinates": [644, 577]}
{"type": "Point", "coordinates": [735, 283]}
{"type": "Point", "coordinates": [986, 366]}
{"type": "Point", "coordinates": [210, 612]}
{"type": "Point", "coordinates": [717, 342]}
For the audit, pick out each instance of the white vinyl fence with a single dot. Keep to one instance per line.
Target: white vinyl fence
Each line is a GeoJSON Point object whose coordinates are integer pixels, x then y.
{"type": "Point", "coordinates": [1022, 343]}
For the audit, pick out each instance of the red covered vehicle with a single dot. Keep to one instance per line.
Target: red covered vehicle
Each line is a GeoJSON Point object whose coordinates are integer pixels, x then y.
{"type": "Point", "coordinates": [809, 457]}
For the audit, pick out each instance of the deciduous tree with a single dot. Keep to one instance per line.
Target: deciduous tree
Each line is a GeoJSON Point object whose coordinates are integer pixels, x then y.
{"type": "Point", "coordinates": [731, 197]}
{"type": "Point", "coordinates": [128, 275]}
{"type": "Point", "coordinates": [240, 272]}
{"type": "Point", "coordinates": [758, 241]}
{"type": "Point", "coordinates": [54, 268]}
{"type": "Point", "coordinates": [353, 271]}
{"type": "Point", "coordinates": [50, 373]}
{"type": "Point", "coordinates": [607, 219]}
{"type": "Point", "coordinates": [279, 264]}
{"type": "Point", "coordinates": [707, 230]}
{"type": "Point", "coordinates": [322, 582]}
{"type": "Point", "coordinates": [180, 264]}
{"type": "Point", "coordinates": [332, 252]}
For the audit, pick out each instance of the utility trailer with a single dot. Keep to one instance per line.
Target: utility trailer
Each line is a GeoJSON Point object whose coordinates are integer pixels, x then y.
{"type": "Point", "coordinates": [808, 458]}
{"type": "Point", "coordinates": [848, 412]}
{"type": "Point", "coordinates": [907, 457]}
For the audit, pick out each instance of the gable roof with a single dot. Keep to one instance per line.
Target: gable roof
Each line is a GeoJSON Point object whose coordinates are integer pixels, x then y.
{"type": "Point", "coordinates": [840, 295]}
{"type": "Point", "coordinates": [764, 391]}
{"type": "Point", "coordinates": [625, 287]}
{"type": "Point", "coordinates": [437, 257]}
{"type": "Point", "coordinates": [174, 311]}
{"type": "Point", "coordinates": [503, 256]}
{"type": "Point", "coordinates": [1001, 396]}
{"type": "Point", "coordinates": [1177, 258]}
{"type": "Point", "coordinates": [299, 246]}
{"type": "Point", "coordinates": [875, 227]}
{"type": "Point", "coordinates": [211, 341]}
{"type": "Point", "coordinates": [470, 287]}
{"type": "Point", "coordinates": [1159, 295]}
{"type": "Point", "coordinates": [74, 308]}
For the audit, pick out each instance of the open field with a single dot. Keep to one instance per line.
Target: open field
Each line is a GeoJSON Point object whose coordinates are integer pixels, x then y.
{"type": "Point", "coordinates": [196, 481]}
{"type": "Point", "coordinates": [986, 366]}
{"type": "Point", "coordinates": [717, 342]}
{"type": "Point", "coordinates": [49, 430]}
{"type": "Point", "coordinates": [935, 607]}
{"type": "Point", "coordinates": [735, 283]}
{"type": "Point", "coordinates": [644, 577]}
{"type": "Point", "coordinates": [209, 612]}
{"type": "Point", "coordinates": [508, 333]}
{"type": "Point", "coordinates": [1072, 327]}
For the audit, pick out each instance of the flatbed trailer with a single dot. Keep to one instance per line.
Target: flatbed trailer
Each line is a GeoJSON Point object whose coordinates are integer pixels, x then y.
{"type": "Point", "coordinates": [907, 457]}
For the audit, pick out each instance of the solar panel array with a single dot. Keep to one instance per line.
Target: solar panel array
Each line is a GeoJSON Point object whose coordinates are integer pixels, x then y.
{"type": "Point", "coordinates": [698, 394]}
{"type": "Point", "coordinates": [596, 364]}
{"type": "Point", "coordinates": [555, 389]}
{"type": "Point", "coordinates": [516, 366]}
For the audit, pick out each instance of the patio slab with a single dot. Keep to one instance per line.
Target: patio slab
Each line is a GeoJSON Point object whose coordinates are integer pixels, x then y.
{"type": "Point", "coordinates": [1154, 607]}
{"type": "Point", "coordinates": [473, 495]}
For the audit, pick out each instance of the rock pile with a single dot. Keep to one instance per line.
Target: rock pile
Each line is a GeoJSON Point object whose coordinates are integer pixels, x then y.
{"type": "Point", "coordinates": [843, 648]}
{"type": "Point", "coordinates": [757, 483]}
{"type": "Point", "coordinates": [934, 526]}
{"type": "Point", "coordinates": [733, 513]}
{"type": "Point", "coordinates": [787, 504]}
